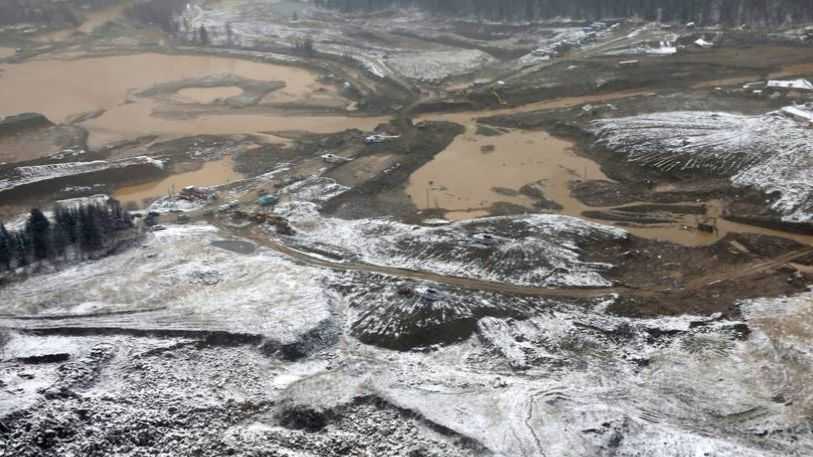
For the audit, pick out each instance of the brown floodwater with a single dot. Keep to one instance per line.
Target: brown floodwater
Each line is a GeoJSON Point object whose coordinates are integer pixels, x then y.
{"type": "Point", "coordinates": [207, 94]}
{"type": "Point", "coordinates": [58, 88]}
{"type": "Point", "coordinates": [471, 174]}
{"type": "Point", "coordinates": [16, 148]}
{"type": "Point", "coordinates": [466, 179]}
{"type": "Point", "coordinates": [213, 173]}
{"type": "Point", "coordinates": [7, 52]}
{"type": "Point", "coordinates": [61, 88]}
{"type": "Point", "coordinates": [137, 119]}
{"type": "Point", "coordinates": [465, 182]}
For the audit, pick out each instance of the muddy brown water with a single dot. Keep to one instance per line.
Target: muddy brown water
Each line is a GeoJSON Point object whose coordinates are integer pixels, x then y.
{"type": "Point", "coordinates": [135, 119]}
{"type": "Point", "coordinates": [14, 148]}
{"type": "Point", "coordinates": [7, 52]}
{"type": "Point", "coordinates": [60, 88]}
{"type": "Point", "coordinates": [213, 173]}
{"type": "Point", "coordinates": [313, 91]}
{"type": "Point", "coordinates": [207, 94]}
{"type": "Point", "coordinates": [465, 180]}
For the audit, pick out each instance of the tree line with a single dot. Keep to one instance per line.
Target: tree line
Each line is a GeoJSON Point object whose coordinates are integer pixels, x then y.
{"type": "Point", "coordinates": [728, 12]}
{"type": "Point", "coordinates": [76, 230]}
{"type": "Point", "coordinates": [159, 12]}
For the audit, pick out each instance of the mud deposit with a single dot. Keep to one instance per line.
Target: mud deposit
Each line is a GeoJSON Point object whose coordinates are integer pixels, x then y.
{"type": "Point", "coordinates": [405, 234]}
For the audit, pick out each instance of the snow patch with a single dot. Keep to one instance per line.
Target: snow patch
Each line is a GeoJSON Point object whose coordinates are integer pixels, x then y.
{"type": "Point", "coordinates": [772, 152]}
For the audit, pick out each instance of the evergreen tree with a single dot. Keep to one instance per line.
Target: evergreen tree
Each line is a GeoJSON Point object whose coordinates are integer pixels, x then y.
{"type": "Point", "coordinates": [203, 35]}
{"type": "Point", "coordinates": [14, 247]}
{"type": "Point", "coordinates": [120, 217]}
{"type": "Point", "coordinates": [23, 248]}
{"type": "Point", "coordinates": [229, 34]}
{"type": "Point", "coordinates": [5, 248]}
{"type": "Point", "coordinates": [90, 233]}
{"type": "Point", "coordinates": [68, 220]}
{"type": "Point", "coordinates": [59, 240]}
{"type": "Point", "coordinates": [88, 227]}
{"type": "Point", "coordinates": [39, 229]}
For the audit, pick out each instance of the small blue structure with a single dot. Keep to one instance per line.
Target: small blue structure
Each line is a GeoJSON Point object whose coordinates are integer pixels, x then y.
{"type": "Point", "coordinates": [267, 200]}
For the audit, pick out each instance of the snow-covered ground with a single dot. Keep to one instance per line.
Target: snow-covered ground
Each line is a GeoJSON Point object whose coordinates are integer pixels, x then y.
{"type": "Point", "coordinates": [179, 281]}
{"type": "Point", "coordinates": [575, 381]}
{"type": "Point", "coordinates": [39, 173]}
{"type": "Point", "coordinates": [661, 48]}
{"type": "Point", "coordinates": [414, 45]}
{"type": "Point", "coordinates": [537, 250]}
{"type": "Point", "coordinates": [649, 39]}
{"type": "Point", "coordinates": [438, 65]}
{"type": "Point", "coordinates": [512, 376]}
{"type": "Point", "coordinates": [772, 152]}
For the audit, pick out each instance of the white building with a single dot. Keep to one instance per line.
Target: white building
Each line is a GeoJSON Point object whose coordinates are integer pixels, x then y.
{"type": "Point", "coordinates": [792, 84]}
{"type": "Point", "coordinates": [801, 113]}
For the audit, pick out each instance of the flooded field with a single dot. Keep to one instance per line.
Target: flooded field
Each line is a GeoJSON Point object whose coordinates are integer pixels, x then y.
{"type": "Point", "coordinates": [132, 120]}
{"type": "Point", "coordinates": [212, 173]}
{"type": "Point", "coordinates": [476, 172]}
{"type": "Point", "coordinates": [207, 94]}
{"type": "Point", "coordinates": [59, 89]}
{"type": "Point", "coordinates": [13, 149]}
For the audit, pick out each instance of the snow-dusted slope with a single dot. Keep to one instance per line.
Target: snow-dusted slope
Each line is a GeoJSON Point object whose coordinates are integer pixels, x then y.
{"type": "Point", "coordinates": [39, 173]}
{"type": "Point", "coordinates": [526, 376]}
{"type": "Point", "coordinates": [535, 250]}
{"type": "Point", "coordinates": [771, 152]}
{"type": "Point", "coordinates": [577, 382]}
{"type": "Point", "coordinates": [178, 280]}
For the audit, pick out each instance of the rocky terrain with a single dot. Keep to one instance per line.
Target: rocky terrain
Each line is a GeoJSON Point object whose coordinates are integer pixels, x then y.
{"type": "Point", "coordinates": [520, 228]}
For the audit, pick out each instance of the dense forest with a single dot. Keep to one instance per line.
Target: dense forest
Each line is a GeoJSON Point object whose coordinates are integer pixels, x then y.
{"type": "Point", "coordinates": [70, 233]}
{"type": "Point", "coordinates": [730, 12]}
